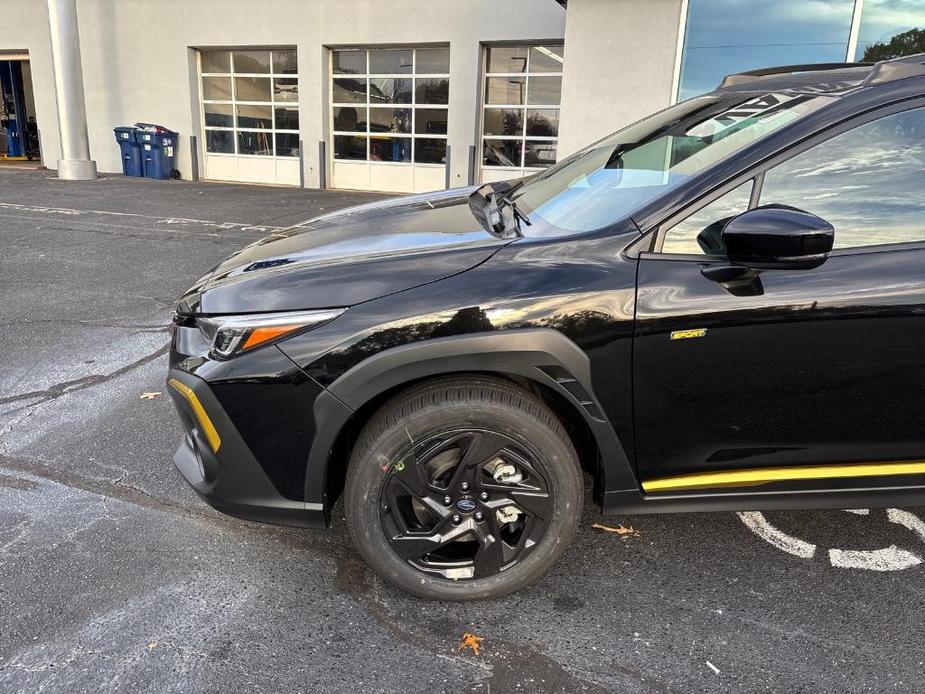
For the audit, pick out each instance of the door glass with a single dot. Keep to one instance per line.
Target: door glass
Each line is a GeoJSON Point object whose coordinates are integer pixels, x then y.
{"type": "Point", "coordinates": [251, 116]}
{"type": "Point", "coordinates": [390, 91]}
{"type": "Point", "coordinates": [252, 89]}
{"type": "Point", "coordinates": [349, 62]}
{"type": "Point", "coordinates": [216, 61]}
{"type": "Point", "coordinates": [390, 61]}
{"type": "Point", "coordinates": [866, 182]}
{"type": "Point", "coordinates": [507, 59]}
{"type": "Point", "coordinates": [251, 62]}
{"type": "Point", "coordinates": [700, 232]}
{"type": "Point", "coordinates": [433, 61]}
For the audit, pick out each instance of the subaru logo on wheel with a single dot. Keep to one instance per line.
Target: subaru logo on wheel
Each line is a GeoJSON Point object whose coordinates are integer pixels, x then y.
{"type": "Point", "coordinates": [466, 505]}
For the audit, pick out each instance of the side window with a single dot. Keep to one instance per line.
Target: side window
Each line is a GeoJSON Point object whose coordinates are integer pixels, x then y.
{"type": "Point", "coordinates": [700, 232]}
{"type": "Point", "coordinates": [869, 182]}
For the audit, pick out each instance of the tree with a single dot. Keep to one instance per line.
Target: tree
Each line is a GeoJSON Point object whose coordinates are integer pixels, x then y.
{"type": "Point", "coordinates": [906, 43]}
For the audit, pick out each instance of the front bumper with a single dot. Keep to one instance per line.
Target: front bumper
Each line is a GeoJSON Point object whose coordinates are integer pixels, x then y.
{"type": "Point", "coordinates": [217, 463]}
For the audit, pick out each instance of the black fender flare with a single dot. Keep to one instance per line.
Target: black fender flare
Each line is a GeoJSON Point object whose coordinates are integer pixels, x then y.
{"type": "Point", "coordinates": [539, 354]}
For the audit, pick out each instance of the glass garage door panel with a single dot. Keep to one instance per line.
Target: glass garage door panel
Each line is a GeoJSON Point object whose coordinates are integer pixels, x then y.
{"type": "Point", "coordinates": [250, 115]}
{"type": "Point", "coordinates": [388, 118]}
{"type": "Point", "coordinates": [521, 94]}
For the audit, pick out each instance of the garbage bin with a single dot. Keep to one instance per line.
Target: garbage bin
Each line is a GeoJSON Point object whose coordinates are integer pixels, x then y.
{"type": "Point", "coordinates": [131, 152]}
{"type": "Point", "coordinates": [158, 151]}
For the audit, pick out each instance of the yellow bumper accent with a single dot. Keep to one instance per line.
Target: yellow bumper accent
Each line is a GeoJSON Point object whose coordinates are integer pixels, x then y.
{"type": "Point", "coordinates": [204, 422]}
{"type": "Point", "coordinates": [758, 476]}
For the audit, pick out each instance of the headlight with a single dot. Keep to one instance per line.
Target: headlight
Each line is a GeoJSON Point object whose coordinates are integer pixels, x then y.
{"type": "Point", "coordinates": [231, 335]}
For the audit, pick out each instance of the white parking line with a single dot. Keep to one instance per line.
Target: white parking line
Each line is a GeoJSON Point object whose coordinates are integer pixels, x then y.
{"type": "Point", "coordinates": [173, 221]}
{"type": "Point", "coordinates": [890, 558]}
{"type": "Point", "coordinates": [759, 525]}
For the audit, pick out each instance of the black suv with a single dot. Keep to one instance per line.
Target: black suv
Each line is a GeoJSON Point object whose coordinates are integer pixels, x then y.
{"type": "Point", "coordinates": [719, 307]}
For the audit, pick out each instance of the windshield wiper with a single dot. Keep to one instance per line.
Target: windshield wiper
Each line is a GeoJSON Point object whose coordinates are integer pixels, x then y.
{"type": "Point", "coordinates": [518, 215]}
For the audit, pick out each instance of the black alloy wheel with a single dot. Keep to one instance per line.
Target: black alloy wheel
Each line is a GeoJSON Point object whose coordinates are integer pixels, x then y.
{"type": "Point", "coordinates": [462, 488]}
{"type": "Point", "coordinates": [466, 504]}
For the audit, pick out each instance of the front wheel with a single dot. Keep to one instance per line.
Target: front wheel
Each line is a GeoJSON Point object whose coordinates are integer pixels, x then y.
{"type": "Point", "coordinates": [463, 488]}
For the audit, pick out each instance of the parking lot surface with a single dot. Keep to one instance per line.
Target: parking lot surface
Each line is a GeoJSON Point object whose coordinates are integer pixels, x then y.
{"type": "Point", "coordinates": [116, 577]}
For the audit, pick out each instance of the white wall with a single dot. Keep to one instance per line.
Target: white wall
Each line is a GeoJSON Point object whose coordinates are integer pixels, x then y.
{"type": "Point", "coordinates": [619, 66]}
{"type": "Point", "coordinates": [137, 57]}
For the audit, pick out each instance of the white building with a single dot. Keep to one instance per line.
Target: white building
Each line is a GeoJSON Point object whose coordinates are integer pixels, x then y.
{"type": "Point", "coordinates": [403, 95]}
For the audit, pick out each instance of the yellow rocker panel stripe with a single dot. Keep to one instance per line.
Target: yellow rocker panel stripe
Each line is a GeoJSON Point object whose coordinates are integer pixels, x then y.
{"type": "Point", "coordinates": [758, 476]}
{"type": "Point", "coordinates": [207, 427]}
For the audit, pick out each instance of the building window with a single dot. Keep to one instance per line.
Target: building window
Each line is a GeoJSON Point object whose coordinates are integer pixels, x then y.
{"type": "Point", "coordinates": [520, 112]}
{"type": "Point", "coordinates": [390, 104]}
{"type": "Point", "coordinates": [889, 29]}
{"type": "Point", "coordinates": [250, 102]}
{"type": "Point", "coordinates": [727, 37]}
{"type": "Point", "coordinates": [724, 37]}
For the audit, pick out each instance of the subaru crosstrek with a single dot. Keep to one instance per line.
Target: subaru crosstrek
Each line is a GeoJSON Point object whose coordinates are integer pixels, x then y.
{"type": "Point", "coordinates": [719, 307]}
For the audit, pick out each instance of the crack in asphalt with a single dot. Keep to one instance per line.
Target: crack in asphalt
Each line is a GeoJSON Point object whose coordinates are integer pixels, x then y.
{"type": "Point", "coordinates": [119, 490]}
{"type": "Point", "coordinates": [65, 387]}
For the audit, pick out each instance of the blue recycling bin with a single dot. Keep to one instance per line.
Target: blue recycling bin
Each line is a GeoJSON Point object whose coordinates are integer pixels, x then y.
{"type": "Point", "coordinates": [131, 151]}
{"type": "Point", "coordinates": [158, 153]}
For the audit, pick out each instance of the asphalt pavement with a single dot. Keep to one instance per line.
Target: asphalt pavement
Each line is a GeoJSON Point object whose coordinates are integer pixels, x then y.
{"type": "Point", "coordinates": [117, 578]}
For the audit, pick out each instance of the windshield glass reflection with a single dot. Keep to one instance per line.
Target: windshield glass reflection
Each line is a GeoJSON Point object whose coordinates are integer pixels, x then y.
{"type": "Point", "coordinates": [613, 178]}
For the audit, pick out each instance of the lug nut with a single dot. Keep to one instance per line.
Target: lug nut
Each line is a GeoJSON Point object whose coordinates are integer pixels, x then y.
{"type": "Point", "coordinates": [484, 496]}
{"type": "Point", "coordinates": [457, 520]}
{"type": "Point", "coordinates": [464, 486]}
{"type": "Point", "coordinates": [447, 501]}
{"type": "Point", "coordinates": [479, 516]}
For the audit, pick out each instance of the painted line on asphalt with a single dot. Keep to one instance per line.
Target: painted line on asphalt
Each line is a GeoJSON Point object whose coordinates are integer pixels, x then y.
{"type": "Point", "coordinates": [890, 558]}
{"type": "Point", "coordinates": [167, 221]}
{"type": "Point", "coordinates": [759, 525]}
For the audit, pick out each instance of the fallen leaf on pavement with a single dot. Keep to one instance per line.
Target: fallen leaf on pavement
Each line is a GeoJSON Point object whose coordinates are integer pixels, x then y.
{"type": "Point", "coordinates": [153, 645]}
{"type": "Point", "coordinates": [151, 395]}
{"type": "Point", "coordinates": [470, 641]}
{"type": "Point", "coordinates": [623, 532]}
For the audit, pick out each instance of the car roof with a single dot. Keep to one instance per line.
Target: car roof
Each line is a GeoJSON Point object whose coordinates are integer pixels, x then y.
{"type": "Point", "coordinates": [824, 78]}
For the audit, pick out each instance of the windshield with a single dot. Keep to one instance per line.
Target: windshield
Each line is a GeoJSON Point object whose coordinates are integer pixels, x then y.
{"type": "Point", "coordinates": [613, 178]}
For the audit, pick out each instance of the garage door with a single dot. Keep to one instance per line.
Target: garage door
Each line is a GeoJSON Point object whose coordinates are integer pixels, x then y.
{"type": "Point", "coordinates": [250, 115]}
{"type": "Point", "coordinates": [520, 110]}
{"type": "Point", "coordinates": [388, 117]}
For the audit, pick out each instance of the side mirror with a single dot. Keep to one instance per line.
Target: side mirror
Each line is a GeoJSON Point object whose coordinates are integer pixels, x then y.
{"type": "Point", "coordinates": [778, 237]}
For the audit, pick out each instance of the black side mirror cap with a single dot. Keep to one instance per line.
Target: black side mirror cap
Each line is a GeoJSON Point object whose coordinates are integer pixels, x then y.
{"type": "Point", "coordinates": [778, 237]}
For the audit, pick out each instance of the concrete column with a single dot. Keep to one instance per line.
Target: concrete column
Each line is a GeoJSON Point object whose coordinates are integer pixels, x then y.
{"type": "Point", "coordinates": [75, 163]}
{"type": "Point", "coordinates": [619, 66]}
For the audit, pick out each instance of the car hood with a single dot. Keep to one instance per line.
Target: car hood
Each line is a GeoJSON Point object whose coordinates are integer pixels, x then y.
{"type": "Point", "coordinates": [347, 257]}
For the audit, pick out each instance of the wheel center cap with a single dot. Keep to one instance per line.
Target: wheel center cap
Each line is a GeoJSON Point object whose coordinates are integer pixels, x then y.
{"type": "Point", "coordinates": [466, 505]}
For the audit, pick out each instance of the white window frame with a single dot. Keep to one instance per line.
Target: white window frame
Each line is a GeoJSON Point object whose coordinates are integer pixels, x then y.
{"type": "Point", "coordinates": [523, 138]}
{"type": "Point", "coordinates": [414, 106]}
{"type": "Point", "coordinates": [234, 102]}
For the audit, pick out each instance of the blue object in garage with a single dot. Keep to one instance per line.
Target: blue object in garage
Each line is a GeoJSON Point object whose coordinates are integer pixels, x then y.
{"type": "Point", "coordinates": [158, 151]}
{"type": "Point", "coordinates": [131, 152]}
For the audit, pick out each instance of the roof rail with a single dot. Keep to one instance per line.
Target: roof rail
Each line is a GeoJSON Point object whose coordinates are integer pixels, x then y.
{"type": "Point", "coordinates": [896, 69]}
{"type": "Point", "coordinates": [750, 75]}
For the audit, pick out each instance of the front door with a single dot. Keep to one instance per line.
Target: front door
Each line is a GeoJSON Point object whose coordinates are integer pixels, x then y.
{"type": "Point", "coordinates": [793, 368]}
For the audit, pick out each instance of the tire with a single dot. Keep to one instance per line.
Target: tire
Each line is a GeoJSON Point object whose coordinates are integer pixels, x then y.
{"type": "Point", "coordinates": [411, 443]}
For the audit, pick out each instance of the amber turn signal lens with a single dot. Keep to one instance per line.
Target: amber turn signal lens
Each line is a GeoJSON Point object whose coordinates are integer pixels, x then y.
{"type": "Point", "coordinates": [260, 335]}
